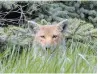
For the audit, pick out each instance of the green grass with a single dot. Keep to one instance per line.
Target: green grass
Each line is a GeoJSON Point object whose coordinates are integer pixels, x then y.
{"type": "Point", "coordinates": [80, 58]}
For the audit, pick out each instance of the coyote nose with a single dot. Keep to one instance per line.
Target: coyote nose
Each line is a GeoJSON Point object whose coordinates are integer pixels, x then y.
{"type": "Point", "coordinates": [47, 48]}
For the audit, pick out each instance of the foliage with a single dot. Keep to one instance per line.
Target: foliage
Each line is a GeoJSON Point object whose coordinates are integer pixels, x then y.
{"type": "Point", "coordinates": [50, 11]}
{"type": "Point", "coordinates": [82, 31]}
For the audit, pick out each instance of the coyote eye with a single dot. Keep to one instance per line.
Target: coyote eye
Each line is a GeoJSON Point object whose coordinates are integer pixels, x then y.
{"type": "Point", "coordinates": [42, 36]}
{"type": "Point", "coordinates": [54, 36]}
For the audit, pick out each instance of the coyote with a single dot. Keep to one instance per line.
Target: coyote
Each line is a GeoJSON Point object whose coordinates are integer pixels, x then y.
{"type": "Point", "coordinates": [48, 37]}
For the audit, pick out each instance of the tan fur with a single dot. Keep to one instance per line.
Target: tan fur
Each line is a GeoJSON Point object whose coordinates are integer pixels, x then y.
{"type": "Point", "coordinates": [48, 31]}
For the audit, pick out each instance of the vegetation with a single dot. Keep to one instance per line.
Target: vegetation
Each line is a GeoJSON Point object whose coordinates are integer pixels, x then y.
{"type": "Point", "coordinates": [81, 56]}
{"type": "Point", "coordinates": [16, 51]}
{"type": "Point", "coordinates": [18, 12]}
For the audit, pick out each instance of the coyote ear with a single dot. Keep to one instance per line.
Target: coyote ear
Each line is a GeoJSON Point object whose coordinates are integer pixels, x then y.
{"type": "Point", "coordinates": [62, 25]}
{"type": "Point", "coordinates": [33, 26]}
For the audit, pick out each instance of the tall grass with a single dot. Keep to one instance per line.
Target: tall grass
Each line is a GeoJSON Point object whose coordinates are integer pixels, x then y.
{"type": "Point", "coordinates": [79, 58]}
